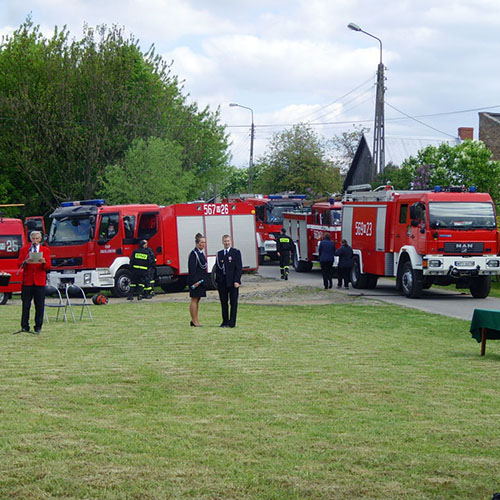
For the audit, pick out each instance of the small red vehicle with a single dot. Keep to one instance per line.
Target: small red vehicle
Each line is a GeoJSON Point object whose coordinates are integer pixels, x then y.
{"type": "Point", "coordinates": [269, 210]}
{"type": "Point", "coordinates": [307, 228]}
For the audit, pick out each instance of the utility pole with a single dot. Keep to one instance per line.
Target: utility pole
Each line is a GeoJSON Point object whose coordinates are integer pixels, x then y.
{"type": "Point", "coordinates": [379, 126]}
{"type": "Point", "coordinates": [252, 136]}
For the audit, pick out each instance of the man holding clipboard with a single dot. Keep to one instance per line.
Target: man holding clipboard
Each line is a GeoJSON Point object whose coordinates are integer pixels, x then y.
{"type": "Point", "coordinates": [34, 260]}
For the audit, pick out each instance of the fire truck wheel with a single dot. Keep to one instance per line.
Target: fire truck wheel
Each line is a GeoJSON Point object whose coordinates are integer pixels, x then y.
{"type": "Point", "coordinates": [371, 281]}
{"type": "Point", "coordinates": [4, 297]}
{"type": "Point", "coordinates": [122, 283]}
{"type": "Point", "coordinates": [358, 279]}
{"type": "Point", "coordinates": [411, 281]}
{"type": "Point", "coordinates": [480, 287]}
{"type": "Point", "coordinates": [301, 266]}
{"type": "Point", "coordinates": [212, 283]}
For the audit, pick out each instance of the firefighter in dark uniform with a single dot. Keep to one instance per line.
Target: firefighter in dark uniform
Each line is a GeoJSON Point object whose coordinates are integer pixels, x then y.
{"type": "Point", "coordinates": [151, 277]}
{"type": "Point", "coordinates": [141, 261]}
{"type": "Point", "coordinates": [285, 247]}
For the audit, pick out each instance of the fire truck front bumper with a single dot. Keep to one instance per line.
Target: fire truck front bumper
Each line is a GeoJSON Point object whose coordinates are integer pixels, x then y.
{"type": "Point", "coordinates": [84, 278]}
{"type": "Point", "coordinates": [457, 266]}
{"type": "Point", "coordinates": [269, 246]}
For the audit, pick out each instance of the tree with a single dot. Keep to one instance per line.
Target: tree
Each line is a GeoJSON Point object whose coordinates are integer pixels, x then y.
{"type": "Point", "coordinates": [75, 106]}
{"type": "Point", "coordinates": [296, 161]}
{"type": "Point", "coordinates": [150, 172]}
{"type": "Point", "coordinates": [345, 145]}
{"type": "Point", "coordinates": [468, 163]}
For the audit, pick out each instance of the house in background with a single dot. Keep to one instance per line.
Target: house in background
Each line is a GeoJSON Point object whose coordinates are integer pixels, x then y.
{"type": "Point", "coordinates": [489, 132]}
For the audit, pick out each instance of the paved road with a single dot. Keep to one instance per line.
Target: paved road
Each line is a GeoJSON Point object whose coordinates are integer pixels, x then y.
{"type": "Point", "coordinates": [454, 303]}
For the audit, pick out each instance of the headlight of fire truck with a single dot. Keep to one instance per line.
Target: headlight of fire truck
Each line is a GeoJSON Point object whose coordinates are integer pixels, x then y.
{"type": "Point", "coordinates": [432, 263]}
{"type": "Point", "coordinates": [492, 263]}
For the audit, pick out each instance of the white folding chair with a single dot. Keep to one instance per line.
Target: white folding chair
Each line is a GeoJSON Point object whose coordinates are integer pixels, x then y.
{"type": "Point", "coordinates": [52, 291]}
{"type": "Point", "coordinates": [79, 300]}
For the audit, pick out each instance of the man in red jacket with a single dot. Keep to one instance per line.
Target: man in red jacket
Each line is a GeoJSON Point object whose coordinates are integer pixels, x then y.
{"type": "Point", "coordinates": [34, 259]}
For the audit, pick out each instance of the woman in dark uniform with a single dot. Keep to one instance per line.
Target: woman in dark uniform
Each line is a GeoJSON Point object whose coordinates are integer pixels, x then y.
{"type": "Point", "coordinates": [197, 278]}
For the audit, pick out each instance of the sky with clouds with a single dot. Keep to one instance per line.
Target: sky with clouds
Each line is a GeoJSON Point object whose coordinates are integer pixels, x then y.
{"type": "Point", "coordinates": [296, 61]}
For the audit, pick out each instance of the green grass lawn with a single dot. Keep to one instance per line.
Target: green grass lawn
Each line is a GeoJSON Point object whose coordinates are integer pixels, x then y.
{"type": "Point", "coordinates": [333, 402]}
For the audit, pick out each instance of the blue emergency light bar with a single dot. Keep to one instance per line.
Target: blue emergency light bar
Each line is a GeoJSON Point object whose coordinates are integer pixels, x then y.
{"type": "Point", "coordinates": [94, 203]}
{"type": "Point", "coordinates": [287, 196]}
{"type": "Point", "coordinates": [454, 189]}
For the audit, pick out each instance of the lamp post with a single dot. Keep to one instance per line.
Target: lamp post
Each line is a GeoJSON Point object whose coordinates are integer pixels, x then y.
{"type": "Point", "coordinates": [252, 135]}
{"type": "Point", "coordinates": [378, 133]}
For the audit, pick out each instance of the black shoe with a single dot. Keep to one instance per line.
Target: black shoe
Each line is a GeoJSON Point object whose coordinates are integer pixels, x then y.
{"type": "Point", "coordinates": [140, 297]}
{"type": "Point", "coordinates": [130, 297]}
{"type": "Point", "coordinates": [37, 331]}
{"type": "Point", "coordinates": [224, 326]}
{"type": "Point", "coordinates": [192, 324]}
{"type": "Point", "coordinates": [148, 296]}
{"type": "Point", "coordinates": [22, 330]}
{"type": "Point", "coordinates": [286, 278]}
{"type": "Point", "coordinates": [339, 286]}
{"type": "Point", "coordinates": [347, 286]}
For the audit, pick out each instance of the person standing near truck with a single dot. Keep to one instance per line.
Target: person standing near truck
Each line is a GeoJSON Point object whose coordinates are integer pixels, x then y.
{"type": "Point", "coordinates": [326, 252]}
{"type": "Point", "coordinates": [345, 255]}
{"type": "Point", "coordinates": [285, 247]}
{"type": "Point", "coordinates": [197, 277]}
{"type": "Point", "coordinates": [34, 259]}
{"type": "Point", "coordinates": [141, 262]}
{"type": "Point", "coordinates": [228, 278]}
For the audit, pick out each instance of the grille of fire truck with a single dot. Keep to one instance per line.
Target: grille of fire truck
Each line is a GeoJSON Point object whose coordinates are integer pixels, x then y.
{"type": "Point", "coordinates": [68, 261]}
{"type": "Point", "coordinates": [461, 247]}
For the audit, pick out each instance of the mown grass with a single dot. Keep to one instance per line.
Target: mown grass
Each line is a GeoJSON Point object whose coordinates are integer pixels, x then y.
{"type": "Point", "coordinates": [338, 401]}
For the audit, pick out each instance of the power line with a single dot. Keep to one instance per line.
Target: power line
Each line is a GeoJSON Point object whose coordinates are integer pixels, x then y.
{"type": "Point", "coordinates": [335, 101]}
{"type": "Point", "coordinates": [418, 121]}
{"type": "Point", "coordinates": [368, 120]}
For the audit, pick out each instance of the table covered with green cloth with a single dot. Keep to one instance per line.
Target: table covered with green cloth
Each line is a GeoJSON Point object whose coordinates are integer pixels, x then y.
{"type": "Point", "coordinates": [485, 318]}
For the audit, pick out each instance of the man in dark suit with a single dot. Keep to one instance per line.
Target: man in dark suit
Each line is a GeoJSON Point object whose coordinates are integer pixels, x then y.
{"type": "Point", "coordinates": [228, 278]}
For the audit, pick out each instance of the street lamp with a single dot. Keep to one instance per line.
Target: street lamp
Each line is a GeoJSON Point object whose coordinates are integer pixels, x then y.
{"type": "Point", "coordinates": [252, 135]}
{"type": "Point", "coordinates": [378, 134]}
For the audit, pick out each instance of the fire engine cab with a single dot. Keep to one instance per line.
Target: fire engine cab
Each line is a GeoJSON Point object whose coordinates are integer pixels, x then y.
{"type": "Point", "coordinates": [308, 226]}
{"type": "Point", "coordinates": [269, 210]}
{"type": "Point", "coordinates": [90, 242]}
{"type": "Point", "coordinates": [422, 238]}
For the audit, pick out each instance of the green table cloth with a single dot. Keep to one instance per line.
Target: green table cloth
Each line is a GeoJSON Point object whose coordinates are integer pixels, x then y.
{"type": "Point", "coordinates": [485, 318]}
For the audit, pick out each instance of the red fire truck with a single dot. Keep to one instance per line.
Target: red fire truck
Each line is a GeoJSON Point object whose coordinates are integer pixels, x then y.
{"type": "Point", "coordinates": [307, 228]}
{"type": "Point", "coordinates": [269, 210]}
{"type": "Point", "coordinates": [90, 242]}
{"type": "Point", "coordinates": [13, 235]}
{"type": "Point", "coordinates": [422, 238]}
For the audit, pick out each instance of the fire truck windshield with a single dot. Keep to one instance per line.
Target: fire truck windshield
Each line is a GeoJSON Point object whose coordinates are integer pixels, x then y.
{"type": "Point", "coordinates": [461, 215]}
{"type": "Point", "coordinates": [274, 213]}
{"type": "Point", "coordinates": [69, 231]}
